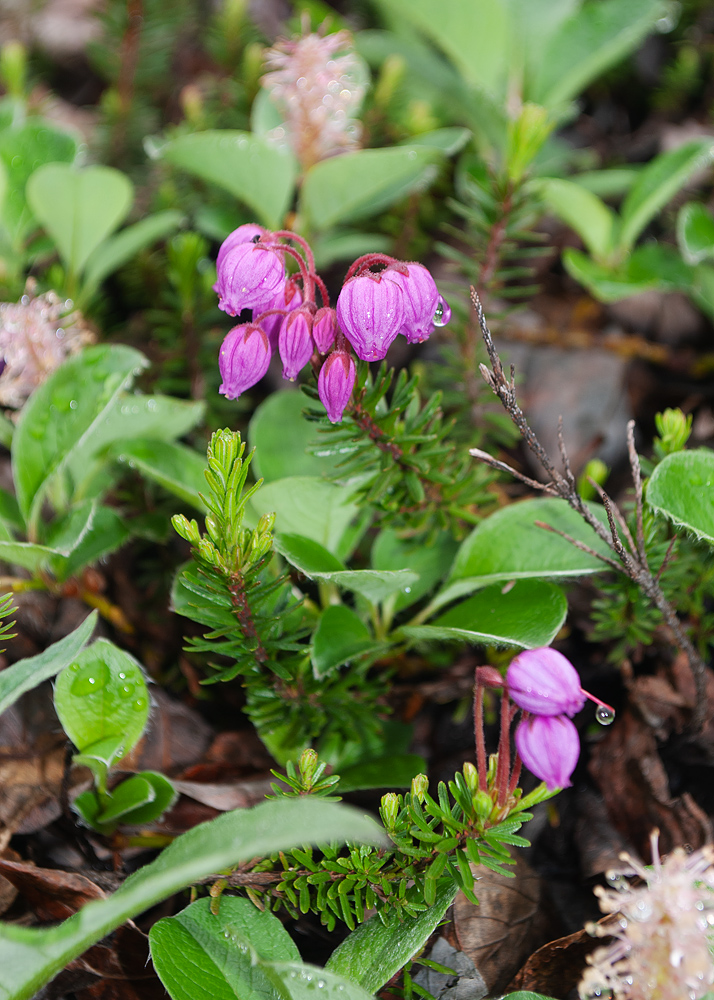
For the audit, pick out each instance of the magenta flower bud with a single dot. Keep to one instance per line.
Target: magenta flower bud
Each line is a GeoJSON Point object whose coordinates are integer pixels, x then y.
{"type": "Point", "coordinates": [324, 328]}
{"type": "Point", "coordinates": [370, 310]}
{"type": "Point", "coordinates": [549, 747]}
{"type": "Point", "coordinates": [295, 343]}
{"type": "Point", "coordinates": [421, 297]}
{"type": "Point", "coordinates": [543, 682]}
{"type": "Point", "coordinates": [243, 359]}
{"type": "Point", "coordinates": [243, 234]}
{"type": "Point", "coordinates": [289, 297]}
{"type": "Point", "coordinates": [335, 383]}
{"type": "Point", "coordinates": [250, 277]}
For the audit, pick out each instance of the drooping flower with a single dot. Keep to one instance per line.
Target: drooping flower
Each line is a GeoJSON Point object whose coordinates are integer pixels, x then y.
{"type": "Point", "coordinates": [243, 359]}
{"type": "Point", "coordinates": [421, 297]}
{"type": "Point", "coordinates": [289, 298]}
{"type": "Point", "coordinates": [544, 682]}
{"type": "Point", "coordinates": [295, 343]}
{"type": "Point", "coordinates": [243, 234]}
{"type": "Point", "coordinates": [335, 384]}
{"type": "Point", "coordinates": [36, 335]}
{"type": "Point", "coordinates": [661, 929]}
{"type": "Point", "coordinates": [324, 328]}
{"type": "Point", "coordinates": [250, 276]}
{"type": "Point", "coordinates": [318, 94]}
{"type": "Point", "coordinates": [370, 310]}
{"type": "Point", "coordinates": [549, 747]}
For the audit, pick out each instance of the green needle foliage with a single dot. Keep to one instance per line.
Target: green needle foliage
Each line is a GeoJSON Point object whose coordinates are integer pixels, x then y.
{"type": "Point", "coordinates": [434, 842]}
{"type": "Point", "coordinates": [414, 475]}
{"type": "Point", "coordinates": [257, 625]}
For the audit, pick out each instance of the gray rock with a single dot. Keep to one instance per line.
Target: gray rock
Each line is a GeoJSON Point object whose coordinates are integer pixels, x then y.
{"type": "Point", "coordinates": [466, 984]}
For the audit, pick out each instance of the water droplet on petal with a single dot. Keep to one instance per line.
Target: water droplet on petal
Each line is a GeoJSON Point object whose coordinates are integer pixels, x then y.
{"type": "Point", "coordinates": [442, 314]}
{"type": "Point", "coordinates": [604, 715]}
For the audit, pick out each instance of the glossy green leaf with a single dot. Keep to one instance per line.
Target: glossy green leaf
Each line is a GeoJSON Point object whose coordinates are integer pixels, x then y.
{"type": "Point", "coordinates": [31, 671]}
{"type": "Point", "coordinates": [30, 957]}
{"type": "Point", "coordinates": [26, 554]}
{"type": "Point", "coordinates": [695, 232]}
{"type": "Point", "coordinates": [373, 953]}
{"type": "Point", "coordinates": [340, 636]}
{"type": "Point", "coordinates": [106, 533]}
{"type": "Point", "coordinates": [604, 283]}
{"type": "Point", "coordinates": [58, 417]}
{"type": "Point", "coordinates": [318, 563]}
{"type": "Point", "coordinates": [131, 794]}
{"type": "Point", "coordinates": [597, 35]}
{"type": "Point", "coordinates": [509, 546]}
{"type": "Point", "coordinates": [102, 694]}
{"type": "Point", "coordinates": [392, 771]}
{"type": "Point", "coordinates": [682, 489]}
{"type": "Point", "coordinates": [430, 562]}
{"type": "Point", "coordinates": [658, 183]}
{"type": "Point", "coordinates": [164, 797]}
{"type": "Point", "coordinates": [449, 140]}
{"type": "Point", "coordinates": [345, 188]}
{"type": "Point", "coordinates": [79, 208]}
{"type": "Point", "coordinates": [178, 469]}
{"type": "Point", "coordinates": [245, 165]}
{"type": "Point", "coordinates": [284, 440]}
{"type": "Point", "coordinates": [199, 955]}
{"type": "Point", "coordinates": [120, 249]}
{"type": "Point", "coordinates": [23, 150]}
{"type": "Point", "coordinates": [609, 183]}
{"type": "Point", "coordinates": [343, 244]}
{"type": "Point", "coordinates": [475, 36]}
{"type": "Point", "coordinates": [308, 506]}
{"type": "Point", "coordinates": [527, 614]}
{"type": "Point", "coordinates": [583, 211]}
{"type": "Point", "coordinates": [702, 288]}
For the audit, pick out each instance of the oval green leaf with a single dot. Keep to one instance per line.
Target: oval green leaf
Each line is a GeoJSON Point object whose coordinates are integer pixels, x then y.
{"type": "Point", "coordinates": [681, 488]}
{"type": "Point", "coordinates": [527, 614]}
{"type": "Point", "coordinates": [340, 636]}
{"type": "Point", "coordinates": [246, 166]}
{"type": "Point", "coordinates": [102, 694]}
{"type": "Point", "coordinates": [79, 208]}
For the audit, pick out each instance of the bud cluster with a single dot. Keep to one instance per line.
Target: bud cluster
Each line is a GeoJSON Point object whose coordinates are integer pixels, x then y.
{"type": "Point", "coordinates": [380, 299]}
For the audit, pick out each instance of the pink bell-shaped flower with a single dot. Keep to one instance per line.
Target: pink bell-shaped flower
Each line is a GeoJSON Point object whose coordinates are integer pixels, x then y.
{"type": "Point", "coordinates": [243, 234]}
{"type": "Point", "coordinates": [421, 297]}
{"type": "Point", "coordinates": [370, 311]}
{"type": "Point", "coordinates": [335, 384]}
{"type": "Point", "coordinates": [290, 298]}
{"type": "Point", "coordinates": [543, 682]}
{"type": "Point", "coordinates": [250, 276]}
{"type": "Point", "coordinates": [243, 359]}
{"type": "Point", "coordinates": [295, 342]}
{"type": "Point", "coordinates": [549, 747]}
{"type": "Point", "coordinates": [324, 329]}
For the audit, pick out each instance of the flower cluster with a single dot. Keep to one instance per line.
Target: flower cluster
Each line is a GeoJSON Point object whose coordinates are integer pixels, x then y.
{"type": "Point", "coordinates": [546, 686]}
{"type": "Point", "coordinates": [661, 930]}
{"type": "Point", "coordinates": [373, 308]}
{"type": "Point", "coordinates": [318, 94]}
{"type": "Point", "coordinates": [36, 335]}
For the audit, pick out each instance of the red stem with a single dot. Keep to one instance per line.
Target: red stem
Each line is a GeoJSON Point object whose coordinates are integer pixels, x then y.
{"type": "Point", "coordinates": [365, 262]}
{"type": "Point", "coordinates": [480, 735]}
{"type": "Point", "coordinates": [288, 235]}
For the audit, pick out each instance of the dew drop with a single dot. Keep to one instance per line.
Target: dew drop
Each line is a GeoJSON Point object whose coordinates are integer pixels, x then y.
{"type": "Point", "coordinates": [73, 404]}
{"type": "Point", "coordinates": [140, 703]}
{"type": "Point", "coordinates": [126, 690]}
{"type": "Point", "coordinates": [121, 675]}
{"type": "Point", "coordinates": [93, 677]}
{"type": "Point", "coordinates": [321, 984]}
{"type": "Point", "coordinates": [604, 715]}
{"type": "Point", "coordinates": [442, 313]}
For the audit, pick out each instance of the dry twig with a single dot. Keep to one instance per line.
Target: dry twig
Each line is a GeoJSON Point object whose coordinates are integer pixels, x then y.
{"type": "Point", "coordinates": [631, 554]}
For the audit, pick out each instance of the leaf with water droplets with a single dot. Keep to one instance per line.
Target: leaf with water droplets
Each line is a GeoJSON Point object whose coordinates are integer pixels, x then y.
{"type": "Point", "coordinates": [102, 695]}
{"type": "Point", "coordinates": [199, 955]}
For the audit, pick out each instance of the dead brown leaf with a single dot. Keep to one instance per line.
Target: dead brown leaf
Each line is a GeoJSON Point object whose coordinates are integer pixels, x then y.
{"type": "Point", "coordinates": [505, 927]}
{"type": "Point", "coordinates": [53, 894]}
{"type": "Point", "coordinates": [236, 795]}
{"type": "Point", "coordinates": [557, 967]}
{"type": "Point", "coordinates": [633, 783]}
